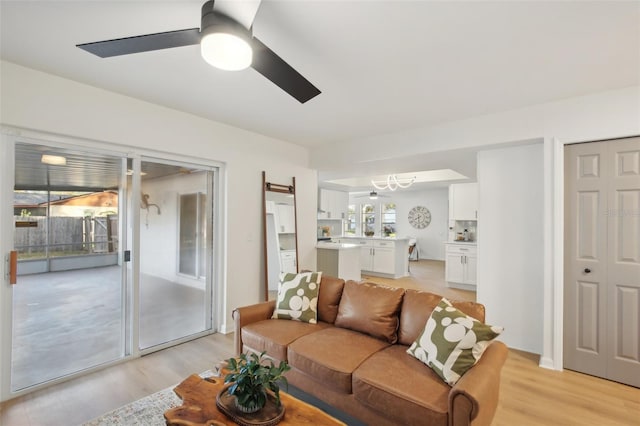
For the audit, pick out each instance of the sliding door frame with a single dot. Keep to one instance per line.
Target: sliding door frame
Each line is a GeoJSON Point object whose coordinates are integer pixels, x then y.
{"type": "Point", "coordinates": [130, 220]}
{"type": "Point", "coordinates": [214, 252]}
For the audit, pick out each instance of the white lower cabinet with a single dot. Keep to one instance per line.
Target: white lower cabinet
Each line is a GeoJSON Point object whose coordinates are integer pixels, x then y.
{"type": "Point", "coordinates": [288, 261]}
{"type": "Point", "coordinates": [461, 265]}
{"type": "Point", "coordinates": [384, 257]}
{"type": "Point", "coordinates": [366, 257]}
{"type": "Point", "coordinates": [381, 257]}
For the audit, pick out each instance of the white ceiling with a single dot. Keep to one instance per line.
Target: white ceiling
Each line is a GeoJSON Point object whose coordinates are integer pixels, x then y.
{"type": "Point", "coordinates": [382, 66]}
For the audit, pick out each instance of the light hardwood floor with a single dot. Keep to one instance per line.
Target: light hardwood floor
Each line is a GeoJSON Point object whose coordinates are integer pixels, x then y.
{"type": "Point", "coordinates": [427, 275]}
{"type": "Point", "coordinates": [529, 395]}
{"type": "Point", "coordinates": [82, 399]}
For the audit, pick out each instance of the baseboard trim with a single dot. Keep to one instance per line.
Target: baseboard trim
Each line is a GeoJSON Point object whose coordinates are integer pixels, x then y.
{"type": "Point", "coordinates": [224, 329]}
{"type": "Point", "coordinates": [546, 362]}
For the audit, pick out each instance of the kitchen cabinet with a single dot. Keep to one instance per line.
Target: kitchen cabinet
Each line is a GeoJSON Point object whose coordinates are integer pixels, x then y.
{"type": "Point", "coordinates": [461, 265]}
{"type": "Point", "coordinates": [383, 257]}
{"type": "Point", "coordinates": [366, 256]}
{"type": "Point", "coordinates": [288, 261]}
{"type": "Point", "coordinates": [463, 201]}
{"type": "Point", "coordinates": [339, 260]}
{"type": "Point", "coordinates": [332, 204]}
{"type": "Point", "coordinates": [384, 260]}
{"type": "Point", "coordinates": [286, 219]}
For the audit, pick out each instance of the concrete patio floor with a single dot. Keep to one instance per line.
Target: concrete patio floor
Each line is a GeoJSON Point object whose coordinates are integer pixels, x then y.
{"type": "Point", "coordinates": [69, 321]}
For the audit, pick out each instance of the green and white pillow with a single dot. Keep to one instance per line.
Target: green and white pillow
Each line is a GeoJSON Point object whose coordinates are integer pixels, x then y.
{"type": "Point", "coordinates": [452, 342]}
{"type": "Point", "coordinates": [298, 297]}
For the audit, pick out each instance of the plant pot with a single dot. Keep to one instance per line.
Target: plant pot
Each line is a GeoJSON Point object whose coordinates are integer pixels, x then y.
{"type": "Point", "coordinates": [252, 407]}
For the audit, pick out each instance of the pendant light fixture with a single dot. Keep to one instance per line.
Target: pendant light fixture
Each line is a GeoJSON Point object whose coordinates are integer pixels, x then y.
{"type": "Point", "coordinates": [393, 182]}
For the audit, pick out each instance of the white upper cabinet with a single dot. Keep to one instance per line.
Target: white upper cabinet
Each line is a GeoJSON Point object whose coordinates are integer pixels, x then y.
{"type": "Point", "coordinates": [463, 201]}
{"type": "Point", "coordinates": [333, 204]}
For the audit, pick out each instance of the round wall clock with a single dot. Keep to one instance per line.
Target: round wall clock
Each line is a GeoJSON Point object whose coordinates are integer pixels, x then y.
{"type": "Point", "coordinates": [419, 217]}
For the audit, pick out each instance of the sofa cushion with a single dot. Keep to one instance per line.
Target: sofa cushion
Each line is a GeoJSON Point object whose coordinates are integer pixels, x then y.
{"type": "Point", "coordinates": [400, 387]}
{"type": "Point", "coordinates": [452, 342]}
{"type": "Point", "coordinates": [329, 298]}
{"type": "Point", "coordinates": [370, 308]}
{"type": "Point", "coordinates": [275, 335]}
{"type": "Point", "coordinates": [418, 305]}
{"type": "Point", "coordinates": [331, 355]}
{"type": "Point", "coordinates": [298, 297]}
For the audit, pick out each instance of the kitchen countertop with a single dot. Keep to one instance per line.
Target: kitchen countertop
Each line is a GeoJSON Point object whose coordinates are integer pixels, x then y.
{"type": "Point", "coordinates": [376, 238]}
{"type": "Point", "coordinates": [335, 246]}
{"type": "Point", "coordinates": [469, 243]}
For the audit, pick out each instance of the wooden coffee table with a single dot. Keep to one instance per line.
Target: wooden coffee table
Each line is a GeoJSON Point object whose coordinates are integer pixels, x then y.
{"type": "Point", "coordinates": [199, 406]}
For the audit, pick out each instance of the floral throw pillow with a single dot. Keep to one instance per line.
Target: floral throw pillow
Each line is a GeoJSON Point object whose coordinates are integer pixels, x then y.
{"type": "Point", "coordinates": [452, 342]}
{"type": "Point", "coordinates": [298, 297]}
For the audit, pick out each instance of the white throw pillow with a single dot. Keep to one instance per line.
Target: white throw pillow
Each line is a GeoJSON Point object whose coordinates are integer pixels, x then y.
{"type": "Point", "coordinates": [298, 297]}
{"type": "Point", "coordinates": [452, 342]}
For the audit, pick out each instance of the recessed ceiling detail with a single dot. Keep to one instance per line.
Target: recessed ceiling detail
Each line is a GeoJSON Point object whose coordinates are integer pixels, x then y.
{"type": "Point", "coordinates": [427, 176]}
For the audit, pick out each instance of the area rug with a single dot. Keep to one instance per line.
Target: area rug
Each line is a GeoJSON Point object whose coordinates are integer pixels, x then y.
{"type": "Point", "coordinates": [147, 411]}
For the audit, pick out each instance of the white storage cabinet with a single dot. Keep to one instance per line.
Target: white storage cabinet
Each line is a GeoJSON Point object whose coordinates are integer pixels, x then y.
{"type": "Point", "coordinates": [334, 204]}
{"type": "Point", "coordinates": [463, 201]}
{"type": "Point", "coordinates": [461, 265]}
{"type": "Point", "coordinates": [288, 261]}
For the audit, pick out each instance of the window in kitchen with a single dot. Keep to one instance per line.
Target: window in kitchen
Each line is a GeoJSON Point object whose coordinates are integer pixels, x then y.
{"type": "Point", "coordinates": [350, 223]}
{"type": "Point", "coordinates": [368, 219]}
{"type": "Point", "coordinates": [388, 220]}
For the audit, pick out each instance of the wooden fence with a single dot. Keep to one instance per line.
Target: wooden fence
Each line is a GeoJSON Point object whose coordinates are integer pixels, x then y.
{"type": "Point", "coordinates": [68, 235]}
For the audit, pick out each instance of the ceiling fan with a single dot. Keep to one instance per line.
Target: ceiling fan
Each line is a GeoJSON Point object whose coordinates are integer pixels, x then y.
{"type": "Point", "coordinates": [373, 195]}
{"type": "Point", "coordinates": [226, 41]}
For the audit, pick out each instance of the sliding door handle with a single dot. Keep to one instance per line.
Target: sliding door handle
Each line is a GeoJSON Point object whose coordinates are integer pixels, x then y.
{"type": "Point", "coordinates": [13, 267]}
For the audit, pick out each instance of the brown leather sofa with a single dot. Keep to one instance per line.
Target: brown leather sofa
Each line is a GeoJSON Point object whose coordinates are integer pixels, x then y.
{"type": "Point", "coordinates": [355, 357]}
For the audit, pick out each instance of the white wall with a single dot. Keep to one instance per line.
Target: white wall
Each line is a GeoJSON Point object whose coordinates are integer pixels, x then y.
{"type": "Point", "coordinates": [431, 239]}
{"type": "Point", "coordinates": [34, 100]}
{"type": "Point", "coordinates": [511, 246]}
{"type": "Point", "coordinates": [610, 114]}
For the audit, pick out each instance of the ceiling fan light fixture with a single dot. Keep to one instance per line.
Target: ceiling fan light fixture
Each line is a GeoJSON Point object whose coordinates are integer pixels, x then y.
{"type": "Point", "coordinates": [225, 44]}
{"type": "Point", "coordinates": [226, 51]}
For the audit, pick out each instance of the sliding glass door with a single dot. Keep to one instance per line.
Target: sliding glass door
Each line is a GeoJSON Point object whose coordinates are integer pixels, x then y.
{"type": "Point", "coordinates": [67, 303]}
{"type": "Point", "coordinates": [113, 258]}
{"type": "Point", "coordinates": [175, 251]}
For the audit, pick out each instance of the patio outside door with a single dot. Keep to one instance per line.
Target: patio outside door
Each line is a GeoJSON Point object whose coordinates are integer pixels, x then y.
{"type": "Point", "coordinates": [175, 252]}
{"type": "Point", "coordinates": [68, 302]}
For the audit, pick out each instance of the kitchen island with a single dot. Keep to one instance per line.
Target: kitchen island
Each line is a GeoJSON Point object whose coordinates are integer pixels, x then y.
{"type": "Point", "coordinates": [382, 256]}
{"type": "Point", "coordinates": [339, 260]}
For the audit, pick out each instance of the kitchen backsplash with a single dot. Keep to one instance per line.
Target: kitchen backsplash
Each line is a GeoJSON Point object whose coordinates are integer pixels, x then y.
{"type": "Point", "coordinates": [457, 232]}
{"type": "Point", "coordinates": [330, 227]}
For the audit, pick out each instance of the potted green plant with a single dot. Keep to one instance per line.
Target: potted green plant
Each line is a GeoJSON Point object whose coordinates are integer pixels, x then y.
{"type": "Point", "coordinates": [251, 378]}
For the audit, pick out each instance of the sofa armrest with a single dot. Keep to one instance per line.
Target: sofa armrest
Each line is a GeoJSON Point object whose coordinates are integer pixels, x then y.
{"type": "Point", "coordinates": [247, 315]}
{"type": "Point", "coordinates": [474, 399]}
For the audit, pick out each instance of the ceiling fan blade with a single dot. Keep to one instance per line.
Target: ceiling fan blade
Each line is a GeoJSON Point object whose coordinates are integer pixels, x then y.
{"type": "Point", "coordinates": [143, 43]}
{"type": "Point", "coordinates": [274, 68]}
